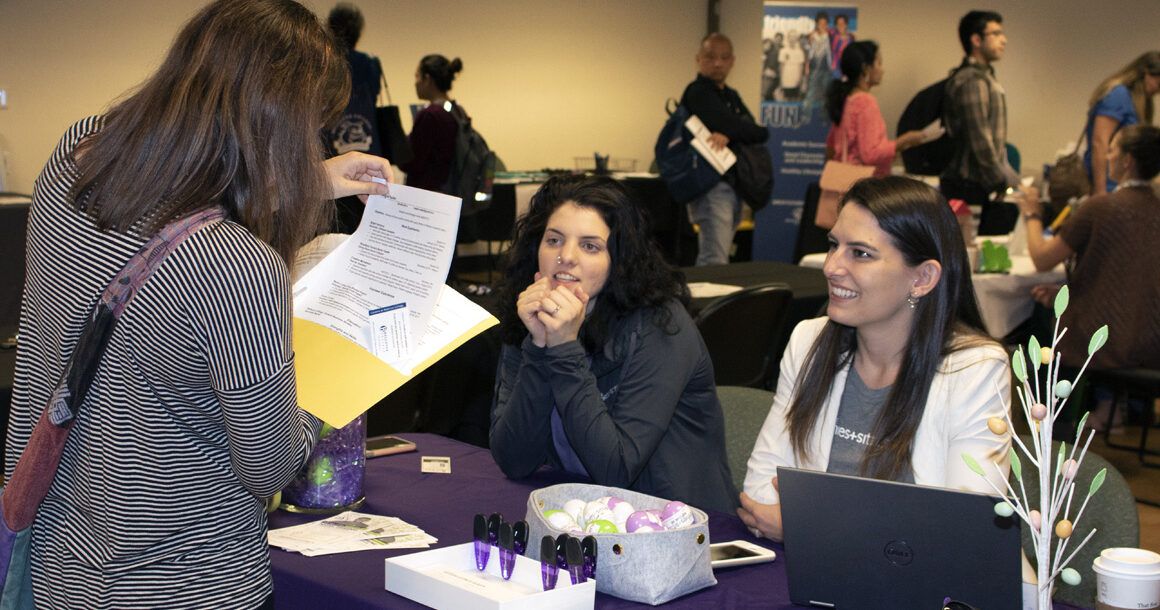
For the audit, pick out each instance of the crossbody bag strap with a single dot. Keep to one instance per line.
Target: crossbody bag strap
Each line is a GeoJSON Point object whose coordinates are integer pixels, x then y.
{"type": "Point", "coordinates": [35, 470]}
{"type": "Point", "coordinates": [82, 365]}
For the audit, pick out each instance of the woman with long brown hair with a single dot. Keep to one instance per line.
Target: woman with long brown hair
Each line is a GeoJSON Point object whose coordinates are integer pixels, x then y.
{"type": "Point", "coordinates": [899, 380]}
{"type": "Point", "coordinates": [192, 415]}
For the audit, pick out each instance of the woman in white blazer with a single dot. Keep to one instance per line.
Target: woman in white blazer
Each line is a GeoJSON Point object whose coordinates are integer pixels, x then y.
{"type": "Point", "coordinates": [899, 379]}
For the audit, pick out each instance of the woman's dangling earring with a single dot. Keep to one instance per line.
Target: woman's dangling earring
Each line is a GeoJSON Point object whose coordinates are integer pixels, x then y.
{"type": "Point", "coordinates": [911, 300]}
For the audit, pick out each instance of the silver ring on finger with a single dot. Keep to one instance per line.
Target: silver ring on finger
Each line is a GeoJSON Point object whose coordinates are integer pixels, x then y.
{"type": "Point", "coordinates": [556, 310]}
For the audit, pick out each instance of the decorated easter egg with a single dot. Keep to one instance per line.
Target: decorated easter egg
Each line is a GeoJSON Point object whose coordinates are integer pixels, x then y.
{"type": "Point", "coordinates": [642, 521]}
{"type": "Point", "coordinates": [1070, 576]}
{"type": "Point", "coordinates": [575, 508]}
{"type": "Point", "coordinates": [1063, 388]}
{"type": "Point", "coordinates": [997, 425]}
{"type": "Point", "coordinates": [603, 500]}
{"type": "Point", "coordinates": [1063, 528]}
{"type": "Point", "coordinates": [597, 510]}
{"type": "Point", "coordinates": [560, 520]}
{"type": "Point", "coordinates": [1036, 520]}
{"type": "Point", "coordinates": [676, 515]}
{"type": "Point", "coordinates": [1045, 354]}
{"type": "Point", "coordinates": [1004, 509]}
{"type": "Point", "coordinates": [1070, 468]}
{"type": "Point", "coordinates": [600, 526]}
{"type": "Point", "coordinates": [1038, 411]}
{"type": "Point", "coordinates": [620, 511]}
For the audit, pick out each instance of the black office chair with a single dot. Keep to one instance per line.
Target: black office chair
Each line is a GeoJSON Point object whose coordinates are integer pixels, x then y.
{"type": "Point", "coordinates": [810, 237]}
{"type": "Point", "coordinates": [742, 330]}
{"type": "Point", "coordinates": [1132, 382]}
{"type": "Point", "coordinates": [495, 223]}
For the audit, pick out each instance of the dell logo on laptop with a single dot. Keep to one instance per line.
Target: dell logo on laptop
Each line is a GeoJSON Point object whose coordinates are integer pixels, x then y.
{"type": "Point", "coordinates": [898, 553]}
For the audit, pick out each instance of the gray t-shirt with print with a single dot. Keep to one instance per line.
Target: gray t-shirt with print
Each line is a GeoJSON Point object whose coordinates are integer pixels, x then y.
{"type": "Point", "coordinates": [857, 412]}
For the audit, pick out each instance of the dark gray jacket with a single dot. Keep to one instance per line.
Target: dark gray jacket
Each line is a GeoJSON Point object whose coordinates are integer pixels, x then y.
{"type": "Point", "coordinates": [643, 415]}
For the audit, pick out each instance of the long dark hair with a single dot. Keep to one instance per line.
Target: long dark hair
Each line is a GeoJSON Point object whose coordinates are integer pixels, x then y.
{"type": "Point", "coordinates": [638, 276]}
{"type": "Point", "coordinates": [923, 227]}
{"type": "Point", "coordinates": [855, 58]}
{"type": "Point", "coordinates": [231, 118]}
{"type": "Point", "coordinates": [441, 71]}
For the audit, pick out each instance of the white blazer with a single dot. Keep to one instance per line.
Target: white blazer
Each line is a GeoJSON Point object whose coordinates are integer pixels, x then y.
{"type": "Point", "coordinates": [971, 386]}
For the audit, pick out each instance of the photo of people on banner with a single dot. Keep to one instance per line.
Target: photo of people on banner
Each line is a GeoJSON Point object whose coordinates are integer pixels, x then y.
{"type": "Point", "coordinates": [802, 43]}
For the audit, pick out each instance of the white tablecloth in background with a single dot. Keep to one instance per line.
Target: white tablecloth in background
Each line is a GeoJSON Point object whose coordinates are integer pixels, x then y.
{"type": "Point", "coordinates": [1004, 298]}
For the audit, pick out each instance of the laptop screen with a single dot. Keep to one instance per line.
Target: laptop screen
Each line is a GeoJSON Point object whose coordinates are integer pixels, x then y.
{"type": "Point", "coordinates": [853, 542]}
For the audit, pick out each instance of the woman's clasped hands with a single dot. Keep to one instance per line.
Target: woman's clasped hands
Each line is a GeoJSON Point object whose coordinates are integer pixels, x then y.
{"type": "Point", "coordinates": [552, 315]}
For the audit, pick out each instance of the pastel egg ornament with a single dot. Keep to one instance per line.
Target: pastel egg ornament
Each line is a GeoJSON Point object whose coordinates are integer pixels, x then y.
{"type": "Point", "coordinates": [1045, 354]}
{"type": "Point", "coordinates": [1038, 411]}
{"type": "Point", "coordinates": [997, 426]}
{"type": "Point", "coordinates": [1070, 576]}
{"type": "Point", "coordinates": [1004, 509]}
{"type": "Point", "coordinates": [1036, 520]}
{"type": "Point", "coordinates": [1070, 469]}
{"type": "Point", "coordinates": [1063, 388]}
{"type": "Point", "coordinates": [1063, 528]}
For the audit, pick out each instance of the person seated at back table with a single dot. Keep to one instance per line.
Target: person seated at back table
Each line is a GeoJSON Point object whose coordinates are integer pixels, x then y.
{"type": "Point", "coordinates": [900, 379]}
{"type": "Point", "coordinates": [602, 371]}
{"type": "Point", "coordinates": [1116, 276]}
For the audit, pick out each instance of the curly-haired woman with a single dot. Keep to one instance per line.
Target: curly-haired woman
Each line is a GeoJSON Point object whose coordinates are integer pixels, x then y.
{"type": "Point", "coordinates": [603, 372]}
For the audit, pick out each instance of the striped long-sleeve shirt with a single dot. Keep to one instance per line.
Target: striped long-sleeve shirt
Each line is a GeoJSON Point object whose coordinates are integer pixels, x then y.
{"type": "Point", "coordinates": [191, 418]}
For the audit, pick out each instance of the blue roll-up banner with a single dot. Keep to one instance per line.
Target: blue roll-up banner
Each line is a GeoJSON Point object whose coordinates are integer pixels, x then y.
{"type": "Point", "coordinates": [801, 43]}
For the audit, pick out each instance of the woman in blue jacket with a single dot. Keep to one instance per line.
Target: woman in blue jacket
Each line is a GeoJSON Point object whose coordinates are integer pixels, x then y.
{"type": "Point", "coordinates": [603, 373]}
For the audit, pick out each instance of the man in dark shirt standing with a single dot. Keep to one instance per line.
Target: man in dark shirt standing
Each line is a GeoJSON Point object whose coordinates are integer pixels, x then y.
{"type": "Point", "coordinates": [718, 212]}
{"type": "Point", "coordinates": [976, 115]}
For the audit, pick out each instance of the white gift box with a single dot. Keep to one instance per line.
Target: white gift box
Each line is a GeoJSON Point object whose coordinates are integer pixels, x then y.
{"type": "Point", "coordinates": [447, 579]}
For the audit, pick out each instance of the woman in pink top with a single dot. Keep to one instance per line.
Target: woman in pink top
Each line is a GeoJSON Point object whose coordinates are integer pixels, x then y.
{"type": "Point", "coordinates": [859, 134]}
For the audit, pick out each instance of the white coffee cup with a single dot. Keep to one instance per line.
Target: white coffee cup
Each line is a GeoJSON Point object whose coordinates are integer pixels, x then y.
{"type": "Point", "coordinates": [1127, 579]}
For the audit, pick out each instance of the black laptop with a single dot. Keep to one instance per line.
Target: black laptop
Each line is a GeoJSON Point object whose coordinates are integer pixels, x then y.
{"type": "Point", "coordinates": [863, 544]}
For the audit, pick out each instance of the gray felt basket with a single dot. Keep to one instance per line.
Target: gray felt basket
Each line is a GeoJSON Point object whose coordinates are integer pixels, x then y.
{"type": "Point", "coordinates": [650, 568]}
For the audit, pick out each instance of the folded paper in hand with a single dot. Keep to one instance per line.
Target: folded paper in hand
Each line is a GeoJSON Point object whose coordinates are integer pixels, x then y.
{"type": "Point", "coordinates": [722, 159]}
{"type": "Point", "coordinates": [400, 254]}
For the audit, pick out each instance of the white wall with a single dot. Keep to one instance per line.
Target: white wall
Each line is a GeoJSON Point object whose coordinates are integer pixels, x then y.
{"type": "Point", "coordinates": [544, 81]}
{"type": "Point", "coordinates": [550, 80]}
{"type": "Point", "coordinates": [1057, 52]}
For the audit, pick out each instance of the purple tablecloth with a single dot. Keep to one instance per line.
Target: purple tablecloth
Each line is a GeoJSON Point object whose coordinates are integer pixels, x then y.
{"type": "Point", "coordinates": [444, 505]}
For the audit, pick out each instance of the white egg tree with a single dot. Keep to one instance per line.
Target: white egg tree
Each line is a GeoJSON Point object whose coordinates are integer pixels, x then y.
{"type": "Point", "coordinates": [1056, 476]}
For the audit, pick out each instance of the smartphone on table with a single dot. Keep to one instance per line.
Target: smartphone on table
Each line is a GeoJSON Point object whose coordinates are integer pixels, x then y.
{"type": "Point", "coordinates": [737, 553]}
{"type": "Point", "coordinates": [387, 445]}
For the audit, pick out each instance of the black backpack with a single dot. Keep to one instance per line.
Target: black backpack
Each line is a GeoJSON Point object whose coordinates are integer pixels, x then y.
{"type": "Point", "coordinates": [685, 173]}
{"type": "Point", "coordinates": [474, 170]}
{"type": "Point", "coordinates": [929, 104]}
